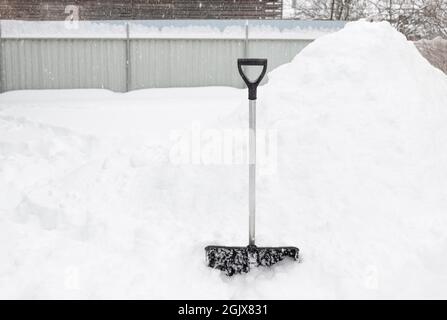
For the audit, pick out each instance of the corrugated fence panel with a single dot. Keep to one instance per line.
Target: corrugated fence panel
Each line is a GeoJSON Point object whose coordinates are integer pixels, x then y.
{"type": "Point", "coordinates": [64, 64]}
{"type": "Point", "coordinates": [162, 53]}
{"type": "Point", "coordinates": [154, 63]}
{"type": "Point", "coordinates": [185, 62]}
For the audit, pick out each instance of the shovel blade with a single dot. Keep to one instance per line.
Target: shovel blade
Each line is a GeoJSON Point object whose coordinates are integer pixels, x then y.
{"type": "Point", "coordinates": [236, 260]}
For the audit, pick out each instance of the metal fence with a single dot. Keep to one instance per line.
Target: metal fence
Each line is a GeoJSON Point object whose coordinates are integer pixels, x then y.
{"type": "Point", "coordinates": [125, 62]}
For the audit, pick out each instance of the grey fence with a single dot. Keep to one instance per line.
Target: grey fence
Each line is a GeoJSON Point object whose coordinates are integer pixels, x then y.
{"type": "Point", "coordinates": [124, 62]}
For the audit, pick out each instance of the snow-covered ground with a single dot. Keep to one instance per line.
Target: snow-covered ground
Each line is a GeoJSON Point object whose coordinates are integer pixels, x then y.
{"type": "Point", "coordinates": [107, 195]}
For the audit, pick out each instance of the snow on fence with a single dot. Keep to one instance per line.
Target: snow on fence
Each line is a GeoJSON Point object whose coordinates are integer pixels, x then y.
{"type": "Point", "coordinates": [129, 55]}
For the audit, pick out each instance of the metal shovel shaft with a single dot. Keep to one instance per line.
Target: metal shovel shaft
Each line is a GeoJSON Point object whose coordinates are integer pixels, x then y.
{"type": "Point", "coordinates": [252, 171]}
{"type": "Point", "coordinates": [252, 89]}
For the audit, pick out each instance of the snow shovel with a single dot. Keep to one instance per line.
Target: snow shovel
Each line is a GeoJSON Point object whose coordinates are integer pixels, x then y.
{"type": "Point", "coordinates": [235, 260]}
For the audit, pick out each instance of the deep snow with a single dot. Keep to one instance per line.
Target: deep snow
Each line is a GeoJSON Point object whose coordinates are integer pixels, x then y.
{"type": "Point", "coordinates": [93, 205]}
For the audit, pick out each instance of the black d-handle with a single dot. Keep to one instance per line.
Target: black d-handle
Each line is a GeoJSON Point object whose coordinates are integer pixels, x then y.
{"type": "Point", "coordinates": [252, 86]}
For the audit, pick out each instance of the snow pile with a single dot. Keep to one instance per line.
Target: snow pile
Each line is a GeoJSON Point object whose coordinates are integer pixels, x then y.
{"type": "Point", "coordinates": [362, 173]}
{"type": "Point", "coordinates": [93, 206]}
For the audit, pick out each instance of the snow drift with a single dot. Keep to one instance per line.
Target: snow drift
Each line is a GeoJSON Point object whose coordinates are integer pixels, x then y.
{"type": "Point", "coordinates": [362, 162]}
{"type": "Point", "coordinates": [92, 206]}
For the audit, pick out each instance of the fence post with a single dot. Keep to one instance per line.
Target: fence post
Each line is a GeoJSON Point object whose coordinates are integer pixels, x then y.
{"type": "Point", "coordinates": [246, 40]}
{"type": "Point", "coordinates": [1, 59]}
{"type": "Point", "coordinates": [127, 57]}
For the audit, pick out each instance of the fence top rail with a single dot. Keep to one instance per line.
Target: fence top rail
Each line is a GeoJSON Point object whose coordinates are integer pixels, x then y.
{"type": "Point", "coordinates": [147, 38]}
{"type": "Point", "coordinates": [169, 29]}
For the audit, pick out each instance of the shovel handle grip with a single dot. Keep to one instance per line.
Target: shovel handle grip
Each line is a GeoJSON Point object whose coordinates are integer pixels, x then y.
{"type": "Point", "coordinates": [252, 86]}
